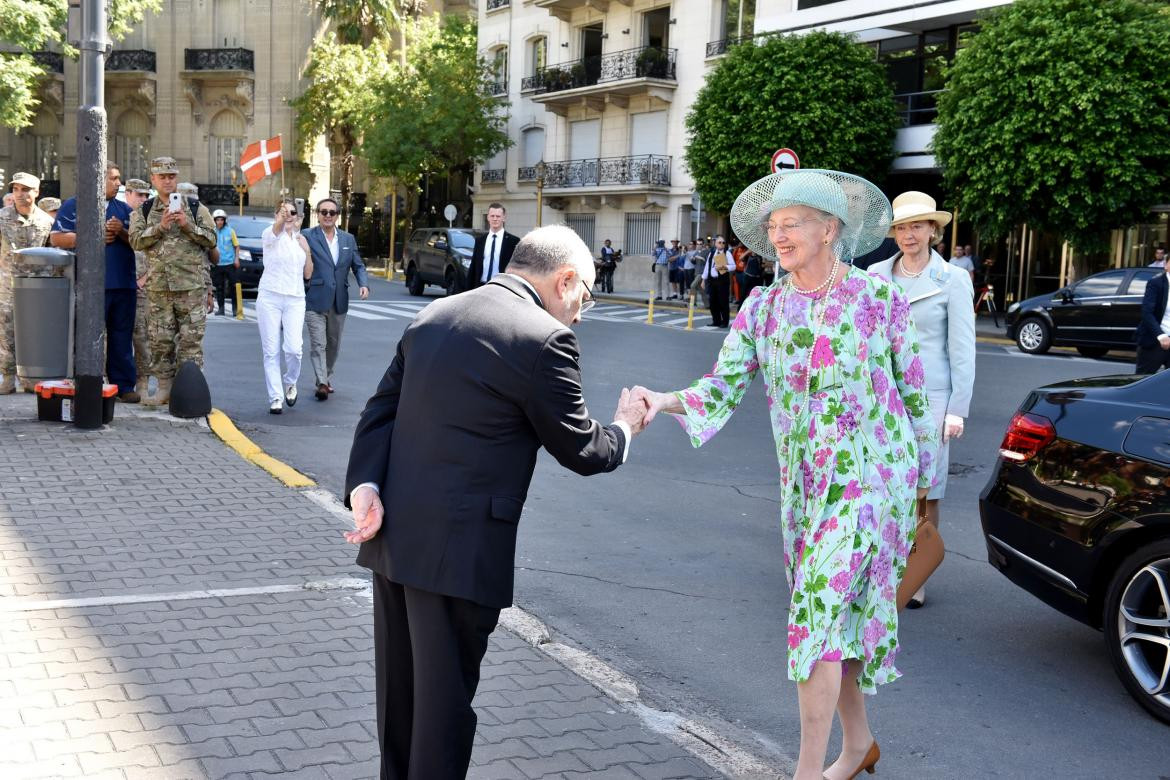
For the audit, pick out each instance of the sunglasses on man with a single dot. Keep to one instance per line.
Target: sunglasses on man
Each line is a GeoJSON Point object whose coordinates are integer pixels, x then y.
{"type": "Point", "coordinates": [327, 212]}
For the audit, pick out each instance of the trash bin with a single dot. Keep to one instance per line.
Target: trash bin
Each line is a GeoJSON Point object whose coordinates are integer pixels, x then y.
{"type": "Point", "coordinates": [42, 314]}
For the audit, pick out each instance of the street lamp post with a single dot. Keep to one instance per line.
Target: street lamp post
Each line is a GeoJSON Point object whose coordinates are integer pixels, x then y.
{"type": "Point", "coordinates": [541, 170]}
{"type": "Point", "coordinates": [240, 189]}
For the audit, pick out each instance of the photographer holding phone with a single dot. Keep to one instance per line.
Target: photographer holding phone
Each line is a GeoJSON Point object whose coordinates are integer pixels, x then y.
{"type": "Point", "coordinates": [175, 233]}
{"type": "Point", "coordinates": [280, 304]}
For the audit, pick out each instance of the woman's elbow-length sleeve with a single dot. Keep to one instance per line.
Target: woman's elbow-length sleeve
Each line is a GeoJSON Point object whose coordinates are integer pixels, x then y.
{"type": "Point", "coordinates": [961, 345]}
{"type": "Point", "coordinates": [709, 402]}
{"type": "Point", "coordinates": [911, 380]}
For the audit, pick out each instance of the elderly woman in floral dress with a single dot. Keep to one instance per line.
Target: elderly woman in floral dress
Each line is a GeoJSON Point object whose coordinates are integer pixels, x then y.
{"type": "Point", "coordinates": [854, 437]}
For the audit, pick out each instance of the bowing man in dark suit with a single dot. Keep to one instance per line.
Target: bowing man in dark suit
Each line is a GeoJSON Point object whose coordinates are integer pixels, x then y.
{"type": "Point", "coordinates": [439, 470]}
{"type": "Point", "coordinates": [335, 256]}
{"type": "Point", "coordinates": [1153, 332]}
{"type": "Point", "coordinates": [493, 251]}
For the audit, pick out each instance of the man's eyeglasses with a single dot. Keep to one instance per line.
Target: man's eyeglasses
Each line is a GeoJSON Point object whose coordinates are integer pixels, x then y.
{"type": "Point", "coordinates": [587, 303]}
{"type": "Point", "coordinates": [327, 212]}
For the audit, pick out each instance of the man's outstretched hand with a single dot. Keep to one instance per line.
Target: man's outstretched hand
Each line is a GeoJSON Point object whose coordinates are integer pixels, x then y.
{"type": "Point", "coordinates": [367, 515]}
{"type": "Point", "coordinates": [655, 403]}
{"type": "Point", "coordinates": [631, 411]}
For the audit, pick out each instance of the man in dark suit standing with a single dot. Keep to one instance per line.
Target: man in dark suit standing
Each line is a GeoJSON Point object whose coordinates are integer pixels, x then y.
{"type": "Point", "coordinates": [447, 445]}
{"type": "Point", "coordinates": [492, 252]}
{"type": "Point", "coordinates": [335, 256]}
{"type": "Point", "coordinates": [1153, 332]}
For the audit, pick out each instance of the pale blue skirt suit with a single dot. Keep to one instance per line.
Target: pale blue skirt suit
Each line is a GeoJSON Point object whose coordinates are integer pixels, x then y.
{"type": "Point", "coordinates": [941, 304]}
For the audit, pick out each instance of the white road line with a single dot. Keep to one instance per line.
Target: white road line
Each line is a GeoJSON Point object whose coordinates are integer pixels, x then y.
{"type": "Point", "coordinates": [699, 739]}
{"type": "Point", "coordinates": [382, 310]}
{"type": "Point", "coordinates": [34, 605]}
{"type": "Point", "coordinates": [675, 321]}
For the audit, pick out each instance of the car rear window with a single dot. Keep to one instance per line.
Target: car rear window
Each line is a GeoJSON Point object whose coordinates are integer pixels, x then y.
{"type": "Point", "coordinates": [461, 240]}
{"type": "Point", "coordinates": [1137, 284]}
{"type": "Point", "coordinates": [1101, 284]}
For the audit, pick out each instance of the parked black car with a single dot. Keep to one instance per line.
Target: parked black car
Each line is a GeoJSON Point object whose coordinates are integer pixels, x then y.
{"type": "Point", "coordinates": [1096, 314]}
{"type": "Point", "coordinates": [439, 256]}
{"type": "Point", "coordinates": [1077, 512]}
{"type": "Point", "coordinates": [251, 254]}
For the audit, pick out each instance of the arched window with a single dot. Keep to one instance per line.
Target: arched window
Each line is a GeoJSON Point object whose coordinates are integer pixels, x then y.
{"type": "Point", "coordinates": [45, 132]}
{"type": "Point", "coordinates": [533, 145]}
{"type": "Point", "coordinates": [132, 145]}
{"type": "Point", "coordinates": [227, 144]}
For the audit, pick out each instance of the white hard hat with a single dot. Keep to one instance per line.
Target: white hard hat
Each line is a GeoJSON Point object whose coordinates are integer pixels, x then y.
{"type": "Point", "coordinates": [218, 213]}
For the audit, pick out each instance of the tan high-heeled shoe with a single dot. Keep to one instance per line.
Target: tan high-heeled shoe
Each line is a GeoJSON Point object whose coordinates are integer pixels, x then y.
{"type": "Point", "coordinates": [869, 763]}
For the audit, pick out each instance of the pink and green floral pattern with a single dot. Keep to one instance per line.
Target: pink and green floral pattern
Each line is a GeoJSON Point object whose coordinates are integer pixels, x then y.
{"type": "Point", "coordinates": [854, 440]}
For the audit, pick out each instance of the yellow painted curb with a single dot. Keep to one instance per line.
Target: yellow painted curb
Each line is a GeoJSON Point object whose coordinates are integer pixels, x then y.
{"type": "Point", "coordinates": [227, 431]}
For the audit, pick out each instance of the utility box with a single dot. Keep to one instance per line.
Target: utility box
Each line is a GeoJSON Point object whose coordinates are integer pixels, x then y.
{"type": "Point", "coordinates": [42, 313]}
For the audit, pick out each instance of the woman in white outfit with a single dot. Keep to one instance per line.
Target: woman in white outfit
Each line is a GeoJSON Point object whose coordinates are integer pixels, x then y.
{"type": "Point", "coordinates": [280, 304]}
{"type": "Point", "coordinates": [940, 296]}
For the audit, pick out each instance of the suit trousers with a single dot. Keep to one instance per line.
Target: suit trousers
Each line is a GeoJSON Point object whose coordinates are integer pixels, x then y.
{"type": "Point", "coordinates": [719, 299]}
{"type": "Point", "coordinates": [325, 330]}
{"type": "Point", "coordinates": [1150, 359]}
{"type": "Point", "coordinates": [427, 652]}
{"type": "Point", "coordinates": [280, 319]}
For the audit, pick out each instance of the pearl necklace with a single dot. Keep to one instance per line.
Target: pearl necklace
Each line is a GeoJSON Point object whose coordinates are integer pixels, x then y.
{"type": "Point", "coordinates": [906, 272]}
{"type": "Point", "coordinates": [820, 286]}
{"type": "Point", "coordinates": [819, 321]}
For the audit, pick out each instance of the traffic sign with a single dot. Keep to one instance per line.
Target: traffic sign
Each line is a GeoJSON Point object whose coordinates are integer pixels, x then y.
{"type": "Point", "coordinates": [450, 213]}
{"type": "Point", "coordinates": [785, 160]}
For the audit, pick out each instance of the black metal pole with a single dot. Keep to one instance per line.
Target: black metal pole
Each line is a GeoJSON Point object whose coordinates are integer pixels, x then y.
{"type": "Point", "coordinates": [91, 245]}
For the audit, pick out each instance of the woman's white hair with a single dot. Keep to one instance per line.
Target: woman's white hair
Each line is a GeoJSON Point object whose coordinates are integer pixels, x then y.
{"type": "Point", "coordinates": [544, 250]}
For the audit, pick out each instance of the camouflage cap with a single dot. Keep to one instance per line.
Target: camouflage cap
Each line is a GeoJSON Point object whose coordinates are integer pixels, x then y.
{"type": "Point", "coordinates": [164, 165]}
{"type": "Point", "coordinates": [188, 189]}
{"type": "Point", "coordinates": [137, 185]}
{"type": "Point", "coordinates": [27, 179]}
{"type": "Point", "coordinates": [49, 204]}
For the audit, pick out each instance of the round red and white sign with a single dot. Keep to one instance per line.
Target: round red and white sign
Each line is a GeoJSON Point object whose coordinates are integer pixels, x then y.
{"type": "Point", "coordinates": [785, 160]}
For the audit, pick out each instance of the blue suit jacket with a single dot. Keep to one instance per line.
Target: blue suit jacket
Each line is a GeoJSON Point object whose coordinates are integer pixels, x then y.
{"type": "Point", "coordinates": [1153, 309]}
{"type": "Point", "coordinates": [329, 285]}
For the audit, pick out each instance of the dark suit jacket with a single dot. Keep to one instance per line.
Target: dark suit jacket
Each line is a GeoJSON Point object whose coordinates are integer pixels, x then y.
{"type": "Point", "coordinates": [329, 285]}
{"type": "Point", "coordinates": [1153, 309]}
{"type": "Point", "coordinates": [475, 272]}
{"type": "Point", "coordinates": [480, 382]}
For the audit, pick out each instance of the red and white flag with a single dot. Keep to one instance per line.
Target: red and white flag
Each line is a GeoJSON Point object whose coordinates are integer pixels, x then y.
{"type": "Point", "coordinates": [261, 159]}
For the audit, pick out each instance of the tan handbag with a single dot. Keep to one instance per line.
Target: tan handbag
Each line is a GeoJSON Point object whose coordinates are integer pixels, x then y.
{"type": "Point", "coordinates": [925, 556]}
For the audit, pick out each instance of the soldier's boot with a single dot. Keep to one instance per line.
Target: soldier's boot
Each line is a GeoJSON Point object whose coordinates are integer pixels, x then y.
{"type": "Point", "coordinates": [163, 395]}
{"type": "Point", "coordinates": [152, 399]}
{"type": "Point", "coordinates": [27, 385]}
{"type": "Point", "coordinates": [8, 384]}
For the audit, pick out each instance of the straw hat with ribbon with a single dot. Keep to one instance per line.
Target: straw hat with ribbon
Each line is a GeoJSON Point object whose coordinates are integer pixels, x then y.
{"type": "Point", "coordinates": [917, 207]}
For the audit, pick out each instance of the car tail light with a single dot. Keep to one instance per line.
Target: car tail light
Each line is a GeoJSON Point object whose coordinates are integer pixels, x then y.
{"type": "Point", "coordinates": [1026, 435]}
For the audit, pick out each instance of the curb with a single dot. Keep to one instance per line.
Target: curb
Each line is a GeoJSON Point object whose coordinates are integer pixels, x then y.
{"type": "Point", "coordinates": [227, 431]}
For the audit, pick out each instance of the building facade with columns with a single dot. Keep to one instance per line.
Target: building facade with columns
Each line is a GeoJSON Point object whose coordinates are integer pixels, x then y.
{"type": "Point", "coordinates": [198, 81]}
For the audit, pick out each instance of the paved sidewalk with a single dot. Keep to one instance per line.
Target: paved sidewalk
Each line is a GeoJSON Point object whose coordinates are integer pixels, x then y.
{"type": "Point", "coordinates": [171, 611]}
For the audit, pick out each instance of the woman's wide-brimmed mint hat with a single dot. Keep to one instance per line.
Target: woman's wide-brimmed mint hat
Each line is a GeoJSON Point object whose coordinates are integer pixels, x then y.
{"type": "Point", "coordinates": [862, 208]}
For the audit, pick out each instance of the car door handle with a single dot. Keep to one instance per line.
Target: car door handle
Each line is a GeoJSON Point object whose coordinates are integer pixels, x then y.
{"type": "Point", "coordinates": [1107, 303]}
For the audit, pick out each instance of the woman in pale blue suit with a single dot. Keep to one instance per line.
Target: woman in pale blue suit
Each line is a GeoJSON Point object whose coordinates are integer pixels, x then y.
{"type": "Point", "coordinates": [940, 297]}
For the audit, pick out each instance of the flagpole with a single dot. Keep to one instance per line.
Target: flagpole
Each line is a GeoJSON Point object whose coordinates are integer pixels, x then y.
{"type": "Point", "coordinates": [283, 191]}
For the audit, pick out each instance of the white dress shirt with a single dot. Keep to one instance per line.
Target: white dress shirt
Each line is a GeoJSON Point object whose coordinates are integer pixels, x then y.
{"type": "Point", "coordinates": [284, 264]}
{"type": "Point", "coordinates": [491, 255]}
{"type": "Point", "coordinates": [332, 244]}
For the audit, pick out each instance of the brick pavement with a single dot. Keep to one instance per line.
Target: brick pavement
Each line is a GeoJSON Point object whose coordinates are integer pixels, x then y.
{"type": "Point", "coordinates": [154, 680]}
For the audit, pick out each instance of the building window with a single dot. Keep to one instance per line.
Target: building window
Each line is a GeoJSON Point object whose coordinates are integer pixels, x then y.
{"type": "Point", "coordinates": [642, 231]}
{"type": "Point", "coordinates": [45, 132]}
{"type": "Point", "coordinates": [227, 144]}
{"type": "Point", "coordinates": [500, 71]}
{"type": "Point", "coordinates": [915, 65]}
{"type": "Point", "coordinates": [537, 55]}
{"type": "Point", "coordinates": [227, 24]}
{"type": "Point", "coordinates": [583, 225]}
{"type": "Point", "coordinates": [738, 19]}
{"type": "Point", "coordinates": [132, 145]}
{"type": "Point", "coordinates": [533, 145]}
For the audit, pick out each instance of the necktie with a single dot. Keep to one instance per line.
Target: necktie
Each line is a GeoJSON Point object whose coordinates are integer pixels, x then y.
{"type": "Point", "coordinates": [492, 259]}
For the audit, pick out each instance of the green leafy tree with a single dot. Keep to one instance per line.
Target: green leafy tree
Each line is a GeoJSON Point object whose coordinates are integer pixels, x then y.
{"type": "Point", "coordinates": [1055, 114]}
{"type": "Point", "coordinates": [821, 94]}
{"type": "Point", "coordinates": [339, 101]}
{"type": "Point", "coordinates": [31, 25]}
{"type": "Point", "coordinates": [436, 112]}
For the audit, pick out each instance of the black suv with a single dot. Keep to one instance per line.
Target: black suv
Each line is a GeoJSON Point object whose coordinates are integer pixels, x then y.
{"type": "Point", "coordinates": [1099, 313]}
{"type": "Point", "coordinates": [251, 253]}
{"type": "Point", "coordinates": [1077, 512]}
{"type": "Point", "coordinates": [439, 256]}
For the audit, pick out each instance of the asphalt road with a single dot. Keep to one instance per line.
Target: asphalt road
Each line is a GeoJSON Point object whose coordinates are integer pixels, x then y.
{"type": "Point", "coordinates": [669, 568]}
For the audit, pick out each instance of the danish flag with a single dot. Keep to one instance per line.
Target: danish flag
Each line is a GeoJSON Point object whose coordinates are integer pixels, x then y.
{"type": "Point", "coordinates": [261, 159]}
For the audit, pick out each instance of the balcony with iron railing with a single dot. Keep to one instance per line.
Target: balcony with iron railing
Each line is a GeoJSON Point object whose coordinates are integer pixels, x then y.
{"type": "Point", "coordinates": [498, 88]}
{"type": "Point", "coordinates": [493, 5]}
{"type": "Point", "coordinates": [636, 172]}
{"type": "Point", "coordinates": [918, 108]}
{"type": "Point", "coordinates": [219, 195]}
{"type": "Point", "coordinates": [219, 60]}
{"type": "Point", "coordinates": [494, 175]}
{"type": "Point", "coordinates": [51, 61]}
{"type": "Point", "coordinates": [719, 48]}
{"type": "Point", "coordinates": [130, 61]}
{"type": "Point", "coordinates": [613, 77]}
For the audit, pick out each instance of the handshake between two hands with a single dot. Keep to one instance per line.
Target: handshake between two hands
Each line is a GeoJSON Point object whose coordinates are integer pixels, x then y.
{"type": "Point", "coordinates": [637, 407]}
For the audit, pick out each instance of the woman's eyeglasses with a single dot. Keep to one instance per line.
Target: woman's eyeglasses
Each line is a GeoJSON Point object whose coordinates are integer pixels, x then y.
{"type": "Point", "coordinates": [327, 212]}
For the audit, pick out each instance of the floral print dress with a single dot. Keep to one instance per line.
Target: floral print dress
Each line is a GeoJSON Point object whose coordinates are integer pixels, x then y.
{"type": "Point", "coordinates": [854, 438]}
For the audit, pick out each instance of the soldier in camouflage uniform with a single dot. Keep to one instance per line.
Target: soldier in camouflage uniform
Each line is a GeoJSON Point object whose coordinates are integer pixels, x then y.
{"type": "Point", "coordinates": [178, 282]}
{"type": "Point", "coordinates": [137, 193]}
{"type": "Point", "coordinates": [22, 225]}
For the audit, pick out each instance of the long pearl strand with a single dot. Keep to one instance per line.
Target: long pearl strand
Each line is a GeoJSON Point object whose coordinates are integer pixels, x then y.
{"type": "Point", "coordinates": [819, 323]}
